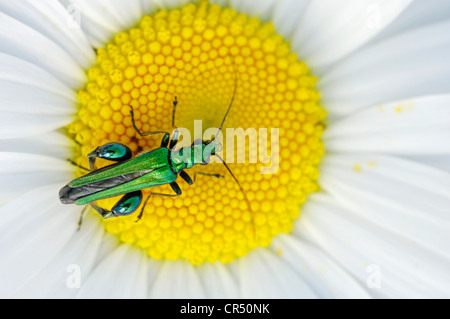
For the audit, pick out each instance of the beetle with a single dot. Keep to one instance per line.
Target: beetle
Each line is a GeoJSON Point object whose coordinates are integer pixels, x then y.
{"type": "Point", "coordinates": [128, 176]}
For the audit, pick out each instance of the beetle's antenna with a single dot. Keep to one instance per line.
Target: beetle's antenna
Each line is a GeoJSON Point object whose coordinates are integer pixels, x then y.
{"type": "Point", "coordinates": [231, 103]}
{"type": "Point", "coordinates": [175, 103]}
{"type": "Point", "coordinates": [240, 187]}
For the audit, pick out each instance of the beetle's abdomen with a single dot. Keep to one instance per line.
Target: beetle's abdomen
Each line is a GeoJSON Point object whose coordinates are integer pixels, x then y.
{"type": "Point", "coordinates": [66, 196]}
{"type": "Point", "coordinates": [69, 195]}
{"type": "Point", "coordinates": [143, 163]}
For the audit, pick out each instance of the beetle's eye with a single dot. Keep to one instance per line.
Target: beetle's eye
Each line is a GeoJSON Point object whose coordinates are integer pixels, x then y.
{"type": "Point", "coordinates": [128, 204]}
{"type": "Point", "coordinates": [114, 152]}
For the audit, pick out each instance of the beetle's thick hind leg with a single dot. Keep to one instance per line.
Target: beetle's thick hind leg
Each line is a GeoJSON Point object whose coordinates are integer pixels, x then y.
{"type": "Point", "coordinates": [114, 152]}
{"type": "Point", "coordinates": [175, 188]}
{"type": "Point", "coordinates": [127, 205]}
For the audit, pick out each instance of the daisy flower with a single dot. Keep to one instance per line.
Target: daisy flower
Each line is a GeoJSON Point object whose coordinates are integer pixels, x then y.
{"type": "Point", "coordinates": [356, 207]}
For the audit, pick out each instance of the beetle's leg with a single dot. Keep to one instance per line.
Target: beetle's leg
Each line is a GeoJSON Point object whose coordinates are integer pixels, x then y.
{"type": "Point", "coordinates": [103, 212]}
{"type": "Point", "coordinates": [145, 134]}
{"type": "Point", "coordinates": [165, 141]}
{"type": "Point", "coordinates": [112, 152]}
{"type": "Point", "coordinates": [175, 188]}
{"type": "Point", "coordinates": [175, 102]}
{"type": "Point", "coordinates": [79, 166]}
{"type": "Point", "coordinates": [210, 175]}
{"type": "Point", "coordinates": [174, 140]}
{"type": "Point", "coordinates": [80, 221]}
{"type": "Point", "coordinates": [170, 142]}
{"type": "Point", "coordinates": [188, 179]}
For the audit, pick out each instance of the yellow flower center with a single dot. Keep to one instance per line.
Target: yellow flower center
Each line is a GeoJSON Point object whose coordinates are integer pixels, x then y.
{"type": "Point", "coordinates": [196, 53]}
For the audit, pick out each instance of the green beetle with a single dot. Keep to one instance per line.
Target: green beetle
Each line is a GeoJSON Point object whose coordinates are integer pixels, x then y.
{"type": "Point", "coordinates": [128, 176]}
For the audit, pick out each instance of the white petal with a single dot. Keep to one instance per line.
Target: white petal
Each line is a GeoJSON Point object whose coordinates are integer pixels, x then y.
{"type": "Point", "coordinates": [330, 30]}
{"type": "Point", "coordinates": [109, 244]}
{"type": "Point", "coordinates": [20, 173]}
{"type": "Point", "coordinates": [418, 14]}
{"type": "Point", "coordinates": [222, 3]}
{"type": "Point", "coordinates": [218, 281]}
{"type": "Point", "coordinates": [415, 126]}
{"type": "Point", "coordinates": [148, 6]}
{"type": "Point", "coordinates": [15, 70]}
{"type": "Point", "coordinates": [97, 32]}
{"type": "Point", "coordinates": [55, 22]}
{"type": "Point", "coordinates": [441, 162]}
{"type": "Point", "coordinates": [287, 14]}
{"type": "Point", "coordinates": [177, 280]}
{"type": "Point", "coordinates": [154, 267]}
{"type": "Point", "coordinates": [166, 4]}
{"type": "Point", "coordinates": [59, 279]}
{"type": "Point", "coordinates": [34, 101]}
{"type": "Point", "coordinates": [325, 277]}
{"type": "Point", "coordinates": [263, 275]}
{"type": "Point", "coordinates": [125, 14]}
{"type": "Point", "coordinates": [27, 44]}
{"type": "Point", "coordinates": [284, 14]}
{"type": "Point", "coordinates": [103, 18]}
{"type": "Point", "coordinates": [413, 63]}
{"type": "Point", "coordinates": [27, 88]}
{"type": "Point", "coordinates": [261, 9]}
{"type": "Point", "coordinates": [52, 144]}
{"type": "Point", "coordinates": [368, 250]}
{"type": "Point", "coordinates": [406, 198]}
{"type": "Point", "coordinates": [122, 274]}
{"type": "Point", "coordinates": [17, 125]}
{"type": "Point", "coordinates": [38, 231]}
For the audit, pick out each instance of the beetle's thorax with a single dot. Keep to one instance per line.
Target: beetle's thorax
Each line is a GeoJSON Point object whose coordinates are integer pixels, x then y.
{"type": "Point", "coordinates": [187, 157]}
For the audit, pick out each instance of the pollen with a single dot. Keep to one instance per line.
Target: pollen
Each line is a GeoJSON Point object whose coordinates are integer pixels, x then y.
{"type": "Point", "coordinates": [201, 54]}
